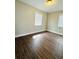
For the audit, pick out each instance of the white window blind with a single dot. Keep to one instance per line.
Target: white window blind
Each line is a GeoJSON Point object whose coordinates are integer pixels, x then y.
{"type": "Point", "coordinates": [60, 21]}
{"type": "Point", "coordinates": [38, 19]}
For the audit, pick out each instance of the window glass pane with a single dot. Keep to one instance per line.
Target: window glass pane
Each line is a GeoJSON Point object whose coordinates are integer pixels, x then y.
{"type": "Point", "coordinates": [38, 19]}
{"type": "Point", "coordinates": [60, 21]}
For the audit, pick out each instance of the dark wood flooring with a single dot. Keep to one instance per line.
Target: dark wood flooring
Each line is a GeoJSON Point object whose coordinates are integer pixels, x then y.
{"type": "Point", "coordinates": [44, 45]}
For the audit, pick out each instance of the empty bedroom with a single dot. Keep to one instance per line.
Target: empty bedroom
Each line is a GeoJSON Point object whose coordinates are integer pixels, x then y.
{"type": "Point", "coordinates": [39, 29]}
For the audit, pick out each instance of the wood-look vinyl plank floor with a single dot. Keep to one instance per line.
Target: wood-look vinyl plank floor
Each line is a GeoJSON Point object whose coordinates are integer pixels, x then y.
{"type": "Point", "coordinates": [39, 46]}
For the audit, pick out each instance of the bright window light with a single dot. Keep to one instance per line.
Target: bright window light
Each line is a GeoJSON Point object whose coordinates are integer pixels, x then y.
{"type": "Point", "coordinates": [60, 21]}
{"type": "Point", "coordinates": [38, 19]}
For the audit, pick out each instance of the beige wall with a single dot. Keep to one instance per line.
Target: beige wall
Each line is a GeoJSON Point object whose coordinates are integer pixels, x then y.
{"type": "Point", "coordinates": [24, 19]}
{"type": "Point", "coordinates": [53, 22]}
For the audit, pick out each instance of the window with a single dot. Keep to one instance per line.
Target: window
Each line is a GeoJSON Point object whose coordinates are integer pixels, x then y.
{"type": "Point", "coordinates": [60, 21]}
{"type": "Point", "coordinates": [38, 19]}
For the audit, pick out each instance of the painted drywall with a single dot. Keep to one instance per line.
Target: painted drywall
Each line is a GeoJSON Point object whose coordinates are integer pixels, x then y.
{"type": "Point", "coordinates": [25, 19]}
{"type": "Point", "coordinates": [53, 22]}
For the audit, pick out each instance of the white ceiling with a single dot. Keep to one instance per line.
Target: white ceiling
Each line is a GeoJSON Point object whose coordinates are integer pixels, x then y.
{"type": "Point", "coordinates": [40, 4]}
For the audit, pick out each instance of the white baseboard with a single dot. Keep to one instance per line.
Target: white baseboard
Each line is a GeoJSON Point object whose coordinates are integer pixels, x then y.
{"type": "Point", "coordinates": [55, 32]}
{"type": "Point", "coordinates": [21, 35]}
{"type": "Point", "coordinates": [26, 34]}
{"type": "Point", "coordinates": [36, 32]}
